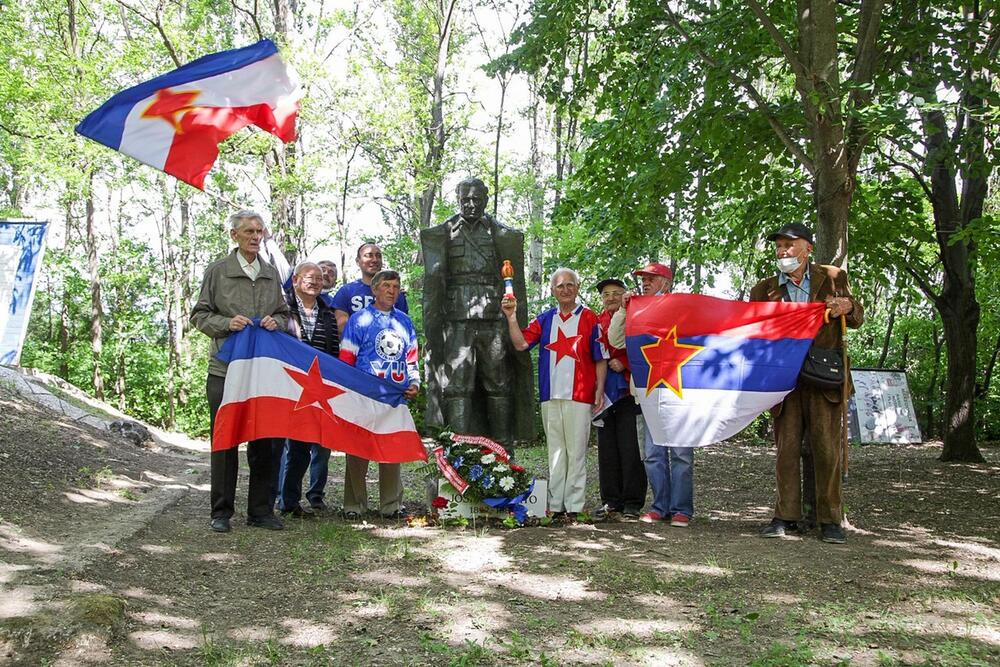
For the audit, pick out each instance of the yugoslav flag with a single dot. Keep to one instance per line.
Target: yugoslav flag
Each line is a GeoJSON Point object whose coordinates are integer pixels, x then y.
{"type": "Point", "coordinates": [176, 121]}
{"type": "Point", "coordinates": [704, 367]}
{"type": "Point", "coordinates": [279, 387]}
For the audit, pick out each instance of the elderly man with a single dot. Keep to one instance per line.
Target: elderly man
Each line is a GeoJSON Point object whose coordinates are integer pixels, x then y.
{"type": "Point", "coordinates": [619, 461]}
{"type": "Point", "coordinates": [380, 339]}
{"type": "Point", "coordinates": [808, 411]}
{"type": "Point", "coordinates": [235, 290]}
{"type": "Point", "coordinates": [476, 383]}
{"type": "Point", "coordinates": [670, 470]}
{"type": "Point", "coordinates": [313, 322]}
{"type": "Point", "coordinates": [349, 299]}
{"type": "Point", "coordinates": [571, 373]}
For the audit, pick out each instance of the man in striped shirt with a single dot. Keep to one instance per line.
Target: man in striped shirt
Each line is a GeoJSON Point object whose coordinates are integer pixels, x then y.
{"type": "Point", "coordinates": [315, 323]}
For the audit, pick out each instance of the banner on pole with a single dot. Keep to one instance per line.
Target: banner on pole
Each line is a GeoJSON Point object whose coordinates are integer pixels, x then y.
{"type": "Point", "coordinates": [22, 244]}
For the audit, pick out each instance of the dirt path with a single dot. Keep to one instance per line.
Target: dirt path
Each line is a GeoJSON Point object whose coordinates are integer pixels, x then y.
{"type": "Point", "coordinates": [917, 583]}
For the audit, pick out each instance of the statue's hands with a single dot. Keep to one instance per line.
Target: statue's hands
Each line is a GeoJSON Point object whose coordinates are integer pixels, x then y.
{"type": "Point", "coordinates": [509, 306]}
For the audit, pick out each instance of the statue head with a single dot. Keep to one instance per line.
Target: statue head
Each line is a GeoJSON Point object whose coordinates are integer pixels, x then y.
{"type": "Point", "coordinates": [473, 195]}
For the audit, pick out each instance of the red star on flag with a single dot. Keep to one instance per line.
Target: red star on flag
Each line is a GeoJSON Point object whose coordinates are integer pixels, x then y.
{"type": "Point", "coordinates": [665, 358]}
{"type": "Point", "coordinates": [315, 392]}
{"type": "Point", "coordinates": [169, 104]}
{"type": "Point", "coordinates": [565, 346]}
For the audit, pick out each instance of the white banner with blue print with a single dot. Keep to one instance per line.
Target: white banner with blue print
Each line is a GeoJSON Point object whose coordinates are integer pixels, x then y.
{"type": "Point", "coordinates": [22, 245]}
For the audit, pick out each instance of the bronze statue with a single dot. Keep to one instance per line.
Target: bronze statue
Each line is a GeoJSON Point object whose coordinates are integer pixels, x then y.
{"type": "Point", "coordinates": [477, 382]}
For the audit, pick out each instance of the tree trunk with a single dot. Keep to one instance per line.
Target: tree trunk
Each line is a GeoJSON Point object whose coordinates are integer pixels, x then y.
{"type": "Point", "coordinates": [832, 180]}
{"type": "Point", "coordinates": [930, 428]}
{"type": "Point", "coordinates": [496, 147]}
{"type": "Point", "coordinates": [984, 389]}
{"type": "Point", "coordinates": [64, 323]}
{"type": "Point", "coordinates": [957, 302]}
{"type": "Point", "coordinates": [96, 311]}
{"type": "Point", "coordinates": [436, 135]}
{"type": "Point", "coordinates": [888, 337]}
{"type": "Point", "coordinates": [536, 200]}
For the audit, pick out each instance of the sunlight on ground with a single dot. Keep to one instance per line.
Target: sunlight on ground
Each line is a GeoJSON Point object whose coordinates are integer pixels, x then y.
{"type": "Point", "coordinates": [156, 640]}
{"type": "Point", "coordinates": [304, 633]}
{"type": "Point", "coordinates": [952, 567]}
{"type": "Point", "coordinates": [222, 558]}
{"type": "Point", "coordinates": [467, 553]}
{"type": "Point", "coordinates": [165, 620]}
{"type": "Point", "coordinates": [12, 539]}
{"type": "Point", "coordinates": [546, 587]}
{"type": "Point", "coordinates": [158, 549]}
{"type": "Point", "coordinates": [20, 601]}
{"type": "Point", "coordinates": [387, 577]}
{"type": "Point", "coordinates": [143, 594]}
{"type": "Point", "coordinates": [86, 648]}
{"type": "Point", "coordinates": [471, 620]}
{"type": "Point", "coordinates": [668, 657]}
{"type": "Point", "coordinates": [642, 628]}
{"type": "Point", "coordinates": [251, 634]}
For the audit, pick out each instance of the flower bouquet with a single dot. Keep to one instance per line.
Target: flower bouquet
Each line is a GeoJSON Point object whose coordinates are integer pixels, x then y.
{"type": "Point", "coordinates": [481, 471]}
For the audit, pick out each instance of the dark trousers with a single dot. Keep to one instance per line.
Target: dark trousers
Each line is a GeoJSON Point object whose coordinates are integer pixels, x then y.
{"type": "Point", "coordinates": [296, 458]}
{"type": "Point", "coordinates": [225, 467]}
{"type": "Point", "coordinates": [809, 413]}
{"type": "Point", "coordinates": [620, 468]}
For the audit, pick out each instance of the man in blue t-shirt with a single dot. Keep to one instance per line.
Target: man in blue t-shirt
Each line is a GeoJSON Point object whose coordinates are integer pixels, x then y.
{"type": "Point", "coordinates": [356, 295]}
{"type": "Point", "coordinates": [380, 340]}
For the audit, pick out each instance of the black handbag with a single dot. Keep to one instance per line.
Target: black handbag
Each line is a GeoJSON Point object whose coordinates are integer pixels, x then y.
{"type": "Point", "coordinates": [823, 368]}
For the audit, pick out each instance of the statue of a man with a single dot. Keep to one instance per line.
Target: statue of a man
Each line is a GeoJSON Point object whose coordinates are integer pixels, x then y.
{"type": "Point", "coordinates": [477, 382]}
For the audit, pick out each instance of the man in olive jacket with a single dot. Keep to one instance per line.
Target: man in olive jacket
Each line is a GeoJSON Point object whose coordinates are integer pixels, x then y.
{"type": "Point", "coordinates": [809, 411]}
{"type": "Point", "coordinates": [236, 289]}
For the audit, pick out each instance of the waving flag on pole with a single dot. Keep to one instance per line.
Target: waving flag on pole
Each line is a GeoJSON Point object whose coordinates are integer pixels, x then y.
{"type": "Point", "coordinates": [279, 387]}
{"type": "Point", "coordinates": [176, 121]}
{"type": "Point", "coordinates": [706, 367]}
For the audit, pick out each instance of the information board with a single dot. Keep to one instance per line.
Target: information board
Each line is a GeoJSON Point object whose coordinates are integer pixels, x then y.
{"type": "Point", "coordinates": [22, 245]}
{"type": "Point", "coordinates": [882, 407]}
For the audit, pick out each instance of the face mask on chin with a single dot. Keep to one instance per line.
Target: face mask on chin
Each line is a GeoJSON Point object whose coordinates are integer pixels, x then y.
{"type": "Point", "coordinates": [789, 264]}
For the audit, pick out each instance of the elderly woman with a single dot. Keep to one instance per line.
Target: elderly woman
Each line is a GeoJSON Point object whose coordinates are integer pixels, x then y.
{"type": "Point", "coordinates": [571, 374]}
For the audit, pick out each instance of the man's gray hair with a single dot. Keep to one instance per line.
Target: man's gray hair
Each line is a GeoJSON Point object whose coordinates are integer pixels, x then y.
{"type": "Point", "coordinates": [384, 275]}
{"type": "Point", "coordinates": [302, 266]}
{"type": "Point", "coordinates": [561, 270]}
{"type": "Point", "coordinates": [236, 219]}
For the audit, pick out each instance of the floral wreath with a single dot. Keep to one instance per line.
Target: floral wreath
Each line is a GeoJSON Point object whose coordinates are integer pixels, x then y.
{"type": "Point", "coordinates": [481, 470]}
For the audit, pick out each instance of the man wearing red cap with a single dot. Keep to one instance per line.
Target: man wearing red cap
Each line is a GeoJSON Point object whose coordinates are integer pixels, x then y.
{"type": "Point", "coordinates": [670, 470]}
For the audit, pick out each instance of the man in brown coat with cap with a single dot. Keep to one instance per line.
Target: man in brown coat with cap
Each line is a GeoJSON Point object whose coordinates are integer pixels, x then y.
{"type": "Point", "coordinates": [808, 411]}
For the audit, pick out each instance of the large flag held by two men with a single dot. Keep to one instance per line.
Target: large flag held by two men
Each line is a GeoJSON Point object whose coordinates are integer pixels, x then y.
{"type": "Point", "coordinates": [704, 367]}
{"type": "Point", "coordinates": [176, 121]}
{"type": "Point", "coordinates": [279, 387]}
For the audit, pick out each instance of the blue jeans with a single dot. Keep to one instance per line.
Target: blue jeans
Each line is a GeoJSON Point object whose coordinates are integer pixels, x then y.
{"type": "Point", "coordinates": [296, 458]}
{"type": "Point", "coordinates": [670, 471]}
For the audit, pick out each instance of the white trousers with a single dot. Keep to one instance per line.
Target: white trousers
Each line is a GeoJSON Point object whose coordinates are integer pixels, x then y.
{"type": "Point", "coordinates": [567, 431]}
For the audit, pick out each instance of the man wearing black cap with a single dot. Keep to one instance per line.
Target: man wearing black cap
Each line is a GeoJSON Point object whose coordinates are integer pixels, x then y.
{"type": "Point", "coordinates": [808, 411]}
{"type": "Point", "coordinates": [620, 469]}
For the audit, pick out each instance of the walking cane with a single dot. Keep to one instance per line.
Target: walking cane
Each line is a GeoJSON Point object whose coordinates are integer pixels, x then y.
{"type": "Point", "coordinates": [845, 409]}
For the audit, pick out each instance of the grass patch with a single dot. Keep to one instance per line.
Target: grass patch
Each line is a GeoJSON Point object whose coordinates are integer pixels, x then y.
{"type": "Point", "coordinates": [89, 478]}
{"type": "Point", "coordinates": [219, 654]}
{"type": "Point", "coordinates": [100, 610]}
